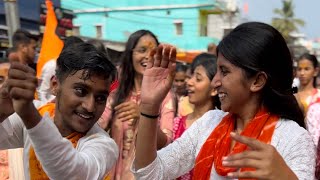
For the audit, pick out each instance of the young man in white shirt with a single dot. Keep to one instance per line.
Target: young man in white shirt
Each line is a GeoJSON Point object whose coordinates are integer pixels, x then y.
{"type": "Point", "coordinates": [61, 140]}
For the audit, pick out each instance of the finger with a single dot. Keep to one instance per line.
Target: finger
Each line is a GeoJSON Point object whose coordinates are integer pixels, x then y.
{"type": "Point", "coordinates": [21, 67]}
{"type": "Point", "coordinates": [248, 154]}
{"type": "Point", "coordinates": [243, 163]}
{"type": "Point", "coordinates": [124, 119]}
{"type": "Point", "coordinates": [151, 58]}
{"type": "Point", "coordinates": [19, 93]}
{"type": "Point", "coordinates": [131, 107]}
{"type": "Point", "coordinates": [124, 115]}
{"type": "Point", "coordinates": [23, 84]}
{"type": "Point", "coordinates": [165, 56]}
{"type": "Point", "coordinates": [128, 109]}
{"type": "Point", "coordinates": [17, 74]}
{"type": "Point", "coordinates": [172, 63]}
{"type": "Point", "coordinates": [158, 56]}
{"type": "Point", "coordinates": [122, 105]}
{"type": "Point", "coordinates": [252, 143]}
{"type": "Point", "coordinates": [246, 175]}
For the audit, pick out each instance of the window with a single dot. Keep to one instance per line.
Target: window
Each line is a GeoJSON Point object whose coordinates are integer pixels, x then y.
{"type": "Point", "coordinates": [178, 27]}
{"type": "Point", "coordinates": [99, 31]}
{"type": "Point", "coordinates": [76, 30]}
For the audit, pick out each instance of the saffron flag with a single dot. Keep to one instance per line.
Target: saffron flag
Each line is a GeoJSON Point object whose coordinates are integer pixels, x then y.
{"type": "Point", "coordinates": [51, 44]}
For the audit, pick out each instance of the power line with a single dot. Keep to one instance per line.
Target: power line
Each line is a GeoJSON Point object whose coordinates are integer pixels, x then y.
{"type": "Point", "coordinates": [141, 14]}
{"type": "Point", "coordinates": [145, 23]}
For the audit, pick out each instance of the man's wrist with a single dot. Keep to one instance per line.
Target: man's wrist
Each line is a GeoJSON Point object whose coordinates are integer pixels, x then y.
{"type": "Point", "coordinates": [30, 117]}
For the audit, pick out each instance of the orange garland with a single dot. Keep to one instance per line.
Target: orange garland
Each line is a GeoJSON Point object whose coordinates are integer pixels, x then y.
{"type": "Point", "coordinates": [218, 144]}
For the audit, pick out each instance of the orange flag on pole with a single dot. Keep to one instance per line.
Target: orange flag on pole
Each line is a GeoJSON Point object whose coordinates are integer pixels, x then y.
{"type": "Point", "coordinates": [51, 44]}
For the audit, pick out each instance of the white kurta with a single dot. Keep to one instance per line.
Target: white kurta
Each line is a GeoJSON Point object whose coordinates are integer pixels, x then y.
{"type": "Point", "coordinates": [292, 142]}
{"type": "Point", "coordinates": [93, 157]}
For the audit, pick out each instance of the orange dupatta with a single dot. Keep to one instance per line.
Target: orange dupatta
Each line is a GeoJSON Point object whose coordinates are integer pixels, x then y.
{"type": "Point", "coordinates": [218, 144]}
{"type": "Point", "coordinates": [35, 168]}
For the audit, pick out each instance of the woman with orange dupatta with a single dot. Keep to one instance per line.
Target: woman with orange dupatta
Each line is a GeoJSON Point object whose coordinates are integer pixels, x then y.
{"type": "Point", "coordinates": [262, 136]}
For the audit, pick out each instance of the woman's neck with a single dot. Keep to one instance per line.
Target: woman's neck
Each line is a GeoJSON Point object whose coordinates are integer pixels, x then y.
{"type": "Point", "coordinates": [200, 110]}
{"type": "Point", "coordinates": [246, 114]}
{"type": "Point", "coordinates": [306, 88]}
{"type": "Point", "coordinates": [137, 82]}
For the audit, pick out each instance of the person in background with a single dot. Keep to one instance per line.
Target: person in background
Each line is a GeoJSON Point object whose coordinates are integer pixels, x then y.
{"type": "Point", "coordinates": [179, 90]}
{"type": "Point", "coordinates": [121, 115]}
{"type": "Point", "coordinates": [99, 45]}
{"type": "Point", "coordinates": [262, 136]}
{"type": "Point", "coordinates": [61, 140]}
{"type": "Point", "coordinates": [24, 46]}
{"type": "Point", "coordinates": [201, 94]}
{"type": "Point", "coordinates": [4, 68]}
{"type": "Point", "coordinates": [212, 49]}
{"type": "Point", "coordinates": [307, 73]}
{"type": "Point", "coordinates": [4, 165]}
{"type": "Point", "coordinates": [179, 84]}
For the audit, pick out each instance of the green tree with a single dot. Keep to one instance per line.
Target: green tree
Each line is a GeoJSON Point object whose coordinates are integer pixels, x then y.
{"type": "Point", "coordinates": [286, 23]}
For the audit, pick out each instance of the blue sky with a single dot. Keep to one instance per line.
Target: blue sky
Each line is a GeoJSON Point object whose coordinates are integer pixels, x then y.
{"type": "Point", "coordinates": [308, 10]}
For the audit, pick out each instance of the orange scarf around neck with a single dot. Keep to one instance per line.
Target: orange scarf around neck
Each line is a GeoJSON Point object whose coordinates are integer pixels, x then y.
{"type": "Point", "coordinates": [218, 144]}
{"type": "Point", "coordinates": [35, 168]}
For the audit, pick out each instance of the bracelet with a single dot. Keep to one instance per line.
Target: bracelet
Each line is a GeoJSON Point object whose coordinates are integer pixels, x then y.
{"type": "Point", "coordinates": [149, 116]}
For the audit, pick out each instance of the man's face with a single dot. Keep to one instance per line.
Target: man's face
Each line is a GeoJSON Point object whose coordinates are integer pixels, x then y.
{"type": "Point", "coordinates": [79, 102]}
{"type": "Point", "coordinates": [30, 51]}
{"type": "Point", "coordinates": [4, 68]}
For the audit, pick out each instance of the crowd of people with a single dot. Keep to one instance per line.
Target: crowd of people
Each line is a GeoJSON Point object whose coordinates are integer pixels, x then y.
{"type": "Point", "coordinates": [231, 113]}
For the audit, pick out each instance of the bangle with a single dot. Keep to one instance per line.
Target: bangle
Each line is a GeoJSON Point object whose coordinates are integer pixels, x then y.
{"type": "Point", "coordinates": [149, 116]}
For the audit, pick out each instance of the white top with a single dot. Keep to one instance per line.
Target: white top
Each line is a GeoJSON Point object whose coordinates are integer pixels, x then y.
{"type": "Point", "coordinates": [48, 71]}
{"type": "Point", "coordinates": [292, 142]}
{"type": "Point", "coordinates": [93, 157]}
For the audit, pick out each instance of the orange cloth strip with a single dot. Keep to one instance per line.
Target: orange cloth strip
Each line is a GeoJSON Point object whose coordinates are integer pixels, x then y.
{"type": "Point", "coordinates": [218, 144]}
{"type": "Point", "coordinates": [51, 44]}
{"type": "Point", "coordinates": [35, 168]}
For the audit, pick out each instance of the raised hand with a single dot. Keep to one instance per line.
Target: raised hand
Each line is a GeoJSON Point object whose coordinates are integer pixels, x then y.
{"type": "Point", "coordinates": [22, 84]}
{"type": "Point", "coordinates": [158, 77]}
{"type": "Point", "coordinates": [264, 158]}
{"type": "Point", "coordinates": [127, 111]}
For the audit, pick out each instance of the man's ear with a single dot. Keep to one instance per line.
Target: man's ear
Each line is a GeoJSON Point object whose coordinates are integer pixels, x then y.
{"type": "Point", "coordinates": [54, 85]}
{"type": "Point", "coordinates": [260, 80]}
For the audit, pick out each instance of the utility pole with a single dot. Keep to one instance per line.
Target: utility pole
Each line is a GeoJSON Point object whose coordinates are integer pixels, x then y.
{"type": "Point", "coordinates": [12, 17]}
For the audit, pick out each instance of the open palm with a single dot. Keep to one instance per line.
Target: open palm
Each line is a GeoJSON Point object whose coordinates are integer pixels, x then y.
{"type": "Point", "coordinates": [159, 74]}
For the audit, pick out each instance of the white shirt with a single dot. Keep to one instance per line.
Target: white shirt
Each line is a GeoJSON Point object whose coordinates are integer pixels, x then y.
{"type": "Point", "coordinates": [48, 71]}
{"type": "Point", "coordinates": [93, 157]}
{"type": "Point", "coordinates": [292, 142]}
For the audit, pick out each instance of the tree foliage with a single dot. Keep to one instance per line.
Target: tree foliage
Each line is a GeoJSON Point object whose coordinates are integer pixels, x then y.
{"type": "Point", "coordinates": [286, 23]}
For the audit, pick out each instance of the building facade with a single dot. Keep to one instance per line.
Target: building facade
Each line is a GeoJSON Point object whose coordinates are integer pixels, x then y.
{"type": "Point", "coordinates": [178, 22]}
{"type": "Point", "coordinates": [29, 15]}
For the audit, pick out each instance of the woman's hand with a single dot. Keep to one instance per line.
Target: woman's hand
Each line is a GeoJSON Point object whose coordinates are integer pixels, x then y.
{"type": "Point", "coordinates": [127, 111]}
{"type": "Point", "coordinates": [157, 78]}
{"type": "Point", "coordinates": [264, 158]}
